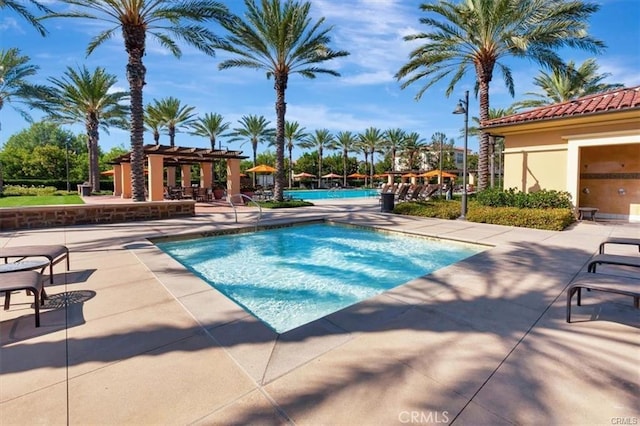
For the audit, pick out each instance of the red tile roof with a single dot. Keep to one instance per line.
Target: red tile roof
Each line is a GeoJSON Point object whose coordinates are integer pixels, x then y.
{"type": "Point", "coordinates": [617, 100]}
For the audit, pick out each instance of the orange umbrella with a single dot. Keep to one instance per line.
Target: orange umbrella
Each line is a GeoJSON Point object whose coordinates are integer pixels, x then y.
{"type": "Point", "coordinates": [409, 175]}
{"type": "Point", "coordinates": [331, 176]}
{"type": "Point", "coordinates": [262, 168]}
{"type": "Point", "coordinates": [432, 173]}
{"type": "Point", "coordinates": [357, 176]}
{"type": "Point", "coordinates": [304, 175]}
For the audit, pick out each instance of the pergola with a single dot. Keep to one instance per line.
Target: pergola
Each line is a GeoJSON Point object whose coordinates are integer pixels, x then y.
{"type": "Point", "coordinates": [161, 157]}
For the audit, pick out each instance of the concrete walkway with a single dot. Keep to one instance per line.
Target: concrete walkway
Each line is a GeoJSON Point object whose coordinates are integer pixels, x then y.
{"type": "Point", "coordinates": [484, 341]}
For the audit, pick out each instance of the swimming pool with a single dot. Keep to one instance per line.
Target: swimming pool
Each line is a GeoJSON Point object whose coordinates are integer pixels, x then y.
{"type": "Point", "coordinates": [324, 194]}
{"type": "Point", "coordinates": [290, 276]}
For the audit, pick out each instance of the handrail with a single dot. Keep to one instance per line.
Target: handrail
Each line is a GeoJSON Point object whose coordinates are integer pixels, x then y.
{"type": "Point", "coordinates": [249, 199]}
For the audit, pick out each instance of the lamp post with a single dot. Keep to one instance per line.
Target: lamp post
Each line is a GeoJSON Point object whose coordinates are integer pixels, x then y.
{"type": "Point", "coordinates": [463, 108]}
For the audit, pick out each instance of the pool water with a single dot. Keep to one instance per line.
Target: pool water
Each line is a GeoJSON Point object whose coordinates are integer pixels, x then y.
{"type": "Point", "coordinates": [324, 194]}
{"type": "Point", "coordinates": [290, 276]}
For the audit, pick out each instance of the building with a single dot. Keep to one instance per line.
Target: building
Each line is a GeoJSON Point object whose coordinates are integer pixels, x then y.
{"type": "Point", "coordinates": [589, 147]}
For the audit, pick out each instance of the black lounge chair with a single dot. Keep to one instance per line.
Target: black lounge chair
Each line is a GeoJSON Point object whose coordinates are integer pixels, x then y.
{"type": "Point", "coordinates": [624, 241]}
{"type": "Point", "coordinates": [612, 259]}
{"type": "Point", "coordinates": [54, 253]}
{"type": "Point", "coordinates": [607, 283]}
{"type": "Point", "coordinates": [24, 280]}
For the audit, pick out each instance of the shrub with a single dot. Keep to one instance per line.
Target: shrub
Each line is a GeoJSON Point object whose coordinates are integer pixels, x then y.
{"type": "Point", "coordinates": [543, 199]}
{"type": "Point", "coordinates": [553, 219]}
{"type": "Point", "coordinates": [437, 209]}
{"type": "Point", "coordinates": [19, 190]}
{"type": "Point", "coordinates": [284, 204]}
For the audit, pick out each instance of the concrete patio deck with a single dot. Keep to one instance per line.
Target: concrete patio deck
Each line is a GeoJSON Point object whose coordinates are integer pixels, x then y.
{"type": "Point", "coordinates": [484, 341]}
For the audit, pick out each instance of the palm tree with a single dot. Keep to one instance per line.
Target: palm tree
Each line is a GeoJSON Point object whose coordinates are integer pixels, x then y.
{"type": "Point", "coordinates": [373, 139]}
{"type": "Point", "coordinates": [174, 116]}
{"type": "Point", "coordinates": [563, 85]}
{"type": "Point", "coordinates": [153, 122]}
{"type": "Point", "coordinates": [20, 9]}
{"type": "Point", "coordinates": [319, 140]}
{"type": "Point", "coordinates": [14, 87]}
{"type": "Point", "coordinates": [210, 126]}
{"type": "Point", "coordinates": [412, 146]}
{"type": "Point", "coordinates": [293, 134]}
{"type": "Point", "coordinates": [479, 34]}
{"type": "Point", "coordinates": [85, 96]}
{"type": "Point", "coordinates": [393, 140]}
{"type": "Point", "coordinates": [345, 141]}
{"type": "Point", "coordinates": [254, 129]}
{"type": "Point", "coordinates": [137, 19]}
{"type": "Point", "coordinates": [278, 37]}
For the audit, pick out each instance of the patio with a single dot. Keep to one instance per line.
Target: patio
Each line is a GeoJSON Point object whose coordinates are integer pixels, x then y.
{"type": "Point", "coordinates": [483, 341]}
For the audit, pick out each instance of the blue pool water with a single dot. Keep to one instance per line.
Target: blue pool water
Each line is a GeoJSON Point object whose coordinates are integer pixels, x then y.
{"type": "Point", "coordinates": [290, 276]}
{"type": "Point", "coordinates": [324, 194]}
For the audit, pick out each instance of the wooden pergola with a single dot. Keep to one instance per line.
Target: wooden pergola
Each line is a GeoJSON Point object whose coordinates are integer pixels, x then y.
{"type": "Point", "coordinates": [161, 157]}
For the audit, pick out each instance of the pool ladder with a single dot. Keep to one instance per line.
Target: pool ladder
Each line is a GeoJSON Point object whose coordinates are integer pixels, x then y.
{"type": "Point", "coordinates": [243, 197]}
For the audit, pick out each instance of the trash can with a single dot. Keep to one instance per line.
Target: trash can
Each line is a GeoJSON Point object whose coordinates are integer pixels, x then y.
{"type": "Point", "coordinates": [388, 199]}
{"type": "Point", "coordinates": [84, 190]}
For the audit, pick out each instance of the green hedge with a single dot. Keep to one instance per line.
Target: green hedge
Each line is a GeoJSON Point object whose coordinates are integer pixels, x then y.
{"type": "Point", "coordinates": [543, 199]}
{"type": "Point", "coordinates": [438, 209]}
{"type": "Point", "coordinates": [549, 219]}
{"type": "Point", "coordinates": [105, 185]}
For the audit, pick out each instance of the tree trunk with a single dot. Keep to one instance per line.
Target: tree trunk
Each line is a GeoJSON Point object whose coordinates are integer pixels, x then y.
{"type": "Point", "coordinates": [290, 165]}
{"type": "Point", "coordinates": [484, 77]}
{"type": "Point", "coordinates": [93, 136]}
{"type": "Point", "coordinates": [134, 41]}
{"type": "Point", "coordinates": [281, 109]}
{"type": "Point", "coordinates": [345, 156]}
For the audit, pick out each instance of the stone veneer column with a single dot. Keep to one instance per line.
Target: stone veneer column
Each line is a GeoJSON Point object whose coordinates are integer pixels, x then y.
{"type": "Point", "coordinates": [156, 168]}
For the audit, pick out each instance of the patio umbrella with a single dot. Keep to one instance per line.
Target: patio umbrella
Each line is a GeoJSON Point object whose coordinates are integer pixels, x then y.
{"type": "Point", "coordinates": [432, 173]}
{"type": "Point", "coordinates": [409, 175]}
{"type": "Point", "coordinates": [304, 175]}
{"type": "Point", "coordinates": [331, 176]}
{"type": "Point", "coordinates": [261, 169]}
{"type": "Point", "coordinates": [357, 176]}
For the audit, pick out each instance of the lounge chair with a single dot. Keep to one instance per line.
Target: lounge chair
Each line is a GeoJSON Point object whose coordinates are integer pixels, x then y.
{"type": "Point", "coordinates": [428, 191]}
{"type": "Point", "coordinates": [24, 280]}
{"type": "Point", "coordinates": [54, 253]}
{"type": "Point", "coordinates": [612, 259]}
{"type": "Point", "coordinates": [402, 192]}
{"type": "Point", "coordinates": [414, 193]}
{"type": "Point", "coordinates": [624, 241]}
{"type": "Point", "coordinates": [607, 283]}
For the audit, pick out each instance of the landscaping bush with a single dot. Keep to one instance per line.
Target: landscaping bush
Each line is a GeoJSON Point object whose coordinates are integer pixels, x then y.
{"type": "Point", "coordinates": [437, 209]}
{"type": "Point", "coordinates": [284, 204]}
{"type": "Point", "coordinates": [19, 190]}
{"type": "Point", "coordinates": [543, 199]}
{"type": "Point", "coordinates": [553, 219]}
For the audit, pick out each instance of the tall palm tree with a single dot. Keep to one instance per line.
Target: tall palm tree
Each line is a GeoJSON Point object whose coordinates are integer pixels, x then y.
{"type": "Point", "coordinates": [153, 122]}
{"type": "Point", "coordinates": [413, 145]}
{"type": "Point", "coordinates": [319, 140]}
{"type": "Point", "coordinates": [15, 88]}
{"type": "Point", "coordinates": [137, 19]}
{"type": "Point", "coordinates": [174, 116]}
{"type": "Point", "coordinates": [346, 142]}
{"type": "Point", "coordinates": [21, 10]}
{"type": "Point", "coordinates": [253, 129]}
{"type": "Point", "coordinates": [279, 37]}
{"type": "Point", "coordinates": [561, 85]}
{"type": "Point", "coordinates": [293, 135]}
{"type": "Point", "coordinates": [393, 140]}
{"type": "Point", "coordinates": [373, 139]}
{"type": "Point", "coordinates": [85, 96]}
{"type": "Point", "coordinates": [211, 126]}
{"type": "Point", "coordinates": [478, 35]}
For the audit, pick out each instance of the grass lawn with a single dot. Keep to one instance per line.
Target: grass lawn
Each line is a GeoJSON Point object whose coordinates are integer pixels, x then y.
{"type": "Point", "coordinates": [40, 200]}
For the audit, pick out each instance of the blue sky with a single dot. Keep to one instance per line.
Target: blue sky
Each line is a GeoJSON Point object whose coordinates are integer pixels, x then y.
{"type": "Point", "coordinates": [365, 95]}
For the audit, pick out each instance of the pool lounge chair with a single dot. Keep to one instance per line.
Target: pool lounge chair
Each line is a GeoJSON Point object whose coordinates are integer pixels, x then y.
{"type": "Point", "coordinates": [24, 280]}
{"type": "Point", "coordinates": [54, 253]}
{"type": "Point", "coordinates": [623, 241]}
{"type": "Point", "coordinates": [612, 259]}
{"type": "Point", "coordinates": [606, 283]}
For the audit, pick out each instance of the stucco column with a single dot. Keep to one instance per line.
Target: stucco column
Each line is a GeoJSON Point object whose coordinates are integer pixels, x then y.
{"type": "Point", "coordinates": [233, 176]}
{"type": "Point", "coordinates": [171, 176]}
{"type": "Point", "coordinates": [117, 180]}
{"type": "Point", "coordinates": [156, 165]}
{"type": "Point", "coordinates": [206, 175]}
{"type": "Point", "coordinates": [126, 180]}
{"type": "Point", "coordinates": [186, 175]}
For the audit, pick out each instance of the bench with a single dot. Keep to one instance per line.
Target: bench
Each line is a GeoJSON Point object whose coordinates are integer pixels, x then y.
{"type": "Point", "coordinates": [624, 241]}
{"type": "Point", "coordinates": [24, 280]}
{"type": "Point", "coordinates": [590, 210]}
{"type": "Point", "coordinates": [54, 253]}
{"type": "Point", "coordinates": [612, 259]}
{"type": "Point", "coordinates": [606, 283]}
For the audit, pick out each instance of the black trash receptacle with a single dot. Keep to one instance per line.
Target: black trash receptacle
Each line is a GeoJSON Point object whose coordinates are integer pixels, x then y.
{"type": "Point", "coordinates": [388, 199]}
{"type": "Point", "coordinates": [84, 190]}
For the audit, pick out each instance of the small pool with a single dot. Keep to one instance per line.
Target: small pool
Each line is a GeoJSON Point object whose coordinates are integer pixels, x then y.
{"type": "Point", "coordinates": [293, 275]}
{"type": "Point", "coordinates": [324, 194]}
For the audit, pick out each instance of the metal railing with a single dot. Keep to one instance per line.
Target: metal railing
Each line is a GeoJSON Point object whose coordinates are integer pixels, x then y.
{"type": "Point", "coordinates": [243, 197]}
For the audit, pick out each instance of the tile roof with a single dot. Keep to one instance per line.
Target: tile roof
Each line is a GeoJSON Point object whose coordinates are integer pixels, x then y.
{"type": "Point", "coordinates": [616, 100]}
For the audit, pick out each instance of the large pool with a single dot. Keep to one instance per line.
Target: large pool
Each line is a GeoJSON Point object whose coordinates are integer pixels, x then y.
{"type": "Point", "coordinates": [290, 276]}
{"type": "Point", "coordinates": [323, 194]}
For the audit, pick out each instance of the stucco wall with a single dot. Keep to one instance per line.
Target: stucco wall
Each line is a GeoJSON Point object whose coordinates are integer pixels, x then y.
{"type": "Point", "coordinates": [531, 170]}
{"type": "Point", "coordinates": [49, 216]}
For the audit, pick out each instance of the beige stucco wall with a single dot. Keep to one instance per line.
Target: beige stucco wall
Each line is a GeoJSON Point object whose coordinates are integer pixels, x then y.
{"type": "Point", "coordinates": [530, 169]}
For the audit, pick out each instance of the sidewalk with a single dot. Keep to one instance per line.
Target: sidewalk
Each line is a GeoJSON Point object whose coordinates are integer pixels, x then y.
{"type": "Point", "coordinates": [483, 341]}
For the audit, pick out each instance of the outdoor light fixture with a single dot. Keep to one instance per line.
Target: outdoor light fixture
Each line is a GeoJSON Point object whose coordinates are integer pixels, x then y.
{"type": "Point", "coordinates": [463, 108]}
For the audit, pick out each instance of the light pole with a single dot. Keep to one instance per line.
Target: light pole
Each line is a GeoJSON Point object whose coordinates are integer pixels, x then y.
{"type": "Point", "coordinates": [463, 108]}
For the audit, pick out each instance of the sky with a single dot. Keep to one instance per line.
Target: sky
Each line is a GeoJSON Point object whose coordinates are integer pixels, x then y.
{"type": "Point", "coordinates": [366, 94]}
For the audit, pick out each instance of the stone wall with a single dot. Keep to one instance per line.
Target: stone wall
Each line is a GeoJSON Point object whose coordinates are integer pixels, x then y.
{"type": "Point", "coordinates": [67, 215]}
